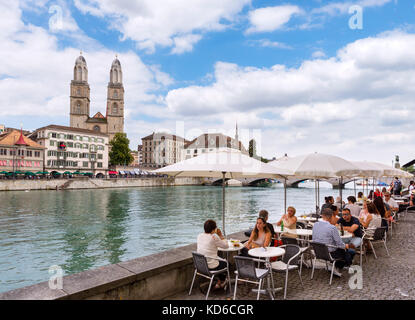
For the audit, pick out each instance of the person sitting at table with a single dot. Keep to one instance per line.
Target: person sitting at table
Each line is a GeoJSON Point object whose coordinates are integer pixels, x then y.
{"type": "Point", "coordinates": [394, 207]}
{"type": "Point", "coordinates": [352, 225]}
{"type": "Point", "coordinates": [378, 193]}
{"type": "Point", "coordinates": [334, 214]}
{"type": "Point", "coordinates": [371, 220]}
{"type": "Point", "coordinates": [338, 204]}
{"type": "Point", "coordinates": [326, 233]}
{"type": "Point", "coordinates": [208, 244]}
{"type": "Point", "coordinates": [361, 197]}
{"type": "Point", "coordinates": [364, 212]}
{"type": "Point", "coordinates": [370, 196]}
{"type": "Point", "coordinates": [260, 237]}
{"type": "Point", "coordinates": [290, 221]}
{"type": "Point", "coordinates": [352, 206]}
{"type": "Point", "coordinates": [384, 213]}
{"type": "Point", "coordinates": [264, 214]}
{"type": "Point", "coordinates": [328, 202]}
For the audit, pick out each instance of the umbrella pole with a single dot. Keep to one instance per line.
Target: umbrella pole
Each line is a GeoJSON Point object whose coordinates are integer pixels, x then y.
{"type": "Point", "coordinates": [223, 203]}
{"type": "Point", "coordinates": [285, 195]}
{"type": "Point", "coordinates": [354, 183]}
{"type": "Point", "coordinates": [315, 191]}
{"type": "Point", "coordinates": [318, 194]}
{"type": "Point", "coordinates": [341, 194]}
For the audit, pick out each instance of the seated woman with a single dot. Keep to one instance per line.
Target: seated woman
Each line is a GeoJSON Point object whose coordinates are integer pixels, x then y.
{"type": "Point", "coordinates": [361, 197]}
{"type": "Point", "coordinates": [290, 221]}
{"type": "Point", "coordinates": [260, 237]}
{"type": "Point", "coordinates": [364, 212]}
{"type": "Point", "coordinates": [328, 202]}
{"type": "Point", "coordinates": [208, 244]}
{"type": "Point", "coordinates": [384, 213]}
{"type": "Point", "coordinates": [371, 220]}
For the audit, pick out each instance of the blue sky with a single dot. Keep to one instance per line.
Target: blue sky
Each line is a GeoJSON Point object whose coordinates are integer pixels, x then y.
{"type": "Point", "coordinates": [292, 73]}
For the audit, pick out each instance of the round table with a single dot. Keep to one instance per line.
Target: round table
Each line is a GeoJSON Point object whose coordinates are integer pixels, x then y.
{"type": "Point", "coordinates": [267, 253]}
{"type": "Point", "coordinates": [308, 219]}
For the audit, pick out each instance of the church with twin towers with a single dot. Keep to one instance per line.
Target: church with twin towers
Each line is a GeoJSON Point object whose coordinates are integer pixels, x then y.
{"type": "Point", "coordinates": [113, 121]}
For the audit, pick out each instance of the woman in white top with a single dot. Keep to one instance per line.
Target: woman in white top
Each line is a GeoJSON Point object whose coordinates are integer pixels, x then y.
{"type": "Point", "coordinates": [208, 244]}
{"type": "Point", "coordinates": [373, 220]}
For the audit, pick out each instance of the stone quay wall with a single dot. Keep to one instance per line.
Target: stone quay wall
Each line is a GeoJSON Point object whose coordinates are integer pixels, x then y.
{"type": "Point", "coordinates": [87, 183]}
{"type": "Point", "coordinates": [156, 276]}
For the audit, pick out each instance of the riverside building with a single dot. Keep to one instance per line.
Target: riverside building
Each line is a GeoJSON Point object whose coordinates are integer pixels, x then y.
{"type": "Point", "coordinates": [73, 149]}
{"type": "Point", "coordinates": [19, 153]}
{"type": "Point", "coordinates": [161, 149]}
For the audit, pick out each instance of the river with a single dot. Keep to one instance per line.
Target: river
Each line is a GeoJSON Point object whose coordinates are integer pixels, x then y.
{"type": "Point", "coordinates": [84, 229]}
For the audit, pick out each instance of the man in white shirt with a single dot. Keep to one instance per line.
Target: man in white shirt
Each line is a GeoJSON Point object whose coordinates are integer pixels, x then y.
{"type": "Point", "coordinates": [353, 207]}
{"type": "Point", "coordinates": [394, 206]}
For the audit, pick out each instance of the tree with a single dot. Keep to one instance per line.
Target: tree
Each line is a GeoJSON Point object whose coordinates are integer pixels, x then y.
{"type": "Point", "coordinates": [120, 153]}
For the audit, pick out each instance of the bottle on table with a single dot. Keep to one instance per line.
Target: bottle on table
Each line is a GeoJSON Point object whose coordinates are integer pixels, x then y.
{"type": "Point", "coordinates": [282, 225]}
{"type": "Point", "coordinates": [341, 230]}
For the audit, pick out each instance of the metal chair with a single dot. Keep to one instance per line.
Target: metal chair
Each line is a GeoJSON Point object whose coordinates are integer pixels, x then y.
{"type": "Point", "coordinates": [289, 261]}
{"type": "Point", "coordinates": [202, 269]}
{"type": "Point", "coordinates": [300, 225]}
{"type": "Point", "coordinates": [321, 252]}
{"type": "Point", "coordinates": [246, 272]}
{"type": "Point", "coordinates": [378, 237]}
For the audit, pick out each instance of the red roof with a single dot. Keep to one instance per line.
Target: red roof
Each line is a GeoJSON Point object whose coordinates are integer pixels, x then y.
{"type": "Point", "coordinates": [21, 141]}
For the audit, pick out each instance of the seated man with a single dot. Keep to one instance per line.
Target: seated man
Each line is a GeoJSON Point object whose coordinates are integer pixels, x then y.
{"type": "Point", "coordinates": [353, 207]}
{"type": "Point", "coordinates": [394, 207]}
{"type": "Point", "coordinates": [326, 233]}
{"type": "Point", "coordinates": [352, 225]}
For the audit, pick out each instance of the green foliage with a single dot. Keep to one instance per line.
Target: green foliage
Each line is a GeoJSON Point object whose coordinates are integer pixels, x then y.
{"type": "Point", "coordinates": [120, 153]}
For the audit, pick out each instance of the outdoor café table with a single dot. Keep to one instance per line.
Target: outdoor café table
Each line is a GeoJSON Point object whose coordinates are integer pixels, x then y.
{"type": "Point", "coordinates": [307, 219]}
{"type": "Point", "coordinates": [268, 252]}
{"type": "Point", "coordinates": [231, 248]}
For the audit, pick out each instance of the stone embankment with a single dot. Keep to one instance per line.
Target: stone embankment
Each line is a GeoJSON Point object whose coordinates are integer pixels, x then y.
{"type": "Point", "coordinates": [87, 183]}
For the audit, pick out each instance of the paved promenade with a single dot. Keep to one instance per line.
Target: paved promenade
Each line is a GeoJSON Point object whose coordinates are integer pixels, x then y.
{"type": "Point", "coordinates": [387, 278]}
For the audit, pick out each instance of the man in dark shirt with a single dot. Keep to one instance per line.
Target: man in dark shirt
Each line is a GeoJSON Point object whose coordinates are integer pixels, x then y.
{"type": "Point", "coordinates": [352, 225]}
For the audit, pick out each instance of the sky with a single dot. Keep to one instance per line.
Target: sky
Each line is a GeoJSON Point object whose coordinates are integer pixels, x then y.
{"type": "Point", "coordinates": [334, 77]}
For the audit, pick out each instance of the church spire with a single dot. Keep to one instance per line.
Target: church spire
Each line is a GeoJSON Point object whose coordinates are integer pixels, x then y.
{"type": "Point", "coordinates": [236, 132]}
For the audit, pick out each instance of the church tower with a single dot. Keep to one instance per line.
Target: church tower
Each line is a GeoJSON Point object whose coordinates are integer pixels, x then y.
{"type": "Point", "coordinates": [115, 100]}
{"type": "Point", "coordinates": [80, 93]}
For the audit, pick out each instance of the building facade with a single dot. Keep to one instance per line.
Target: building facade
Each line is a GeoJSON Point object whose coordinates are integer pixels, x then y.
{"type": "Point", "coordinates": [113, 121]}
{"type": "Point", "coordinates": [211, 142]}
{"type": "Point", "coordinates": [73, 149]}
{"type": "Point", "coordinates": [140, 154]}
{"type": "Point", "coordinates": [161, 149]}
{"type": "Point", "coordinates": [19, 153]}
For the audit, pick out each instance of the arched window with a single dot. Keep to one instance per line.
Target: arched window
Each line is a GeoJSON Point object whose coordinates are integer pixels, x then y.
{"type": "Point", "coordinates": [115, 94]}
{"type": "Point", "coordinates": [114, 108]}
{"type": "Point", "coordinates": [79, 74]}
{"type": "Point", "coordinates": [78, 107]}
{"type": "Point", "coordinates": [97, 128]}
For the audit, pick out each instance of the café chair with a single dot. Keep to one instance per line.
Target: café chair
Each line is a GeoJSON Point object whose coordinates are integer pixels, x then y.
{"type": "Point", "coordinates": [321, 252]}
{"type": "Point", "coordinates": [289, 262]}
{"type": "Point", "coordinates": [378, 237]}
{"type": "Point", "coordinates": [247, 272]}
{"type": "Point", "coordinates": [202, 269]}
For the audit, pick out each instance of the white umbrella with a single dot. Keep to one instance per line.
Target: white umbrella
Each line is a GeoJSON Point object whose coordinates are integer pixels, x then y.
{"type": "Point", "coordinates": [368, 170]}
{"type": "Point", "coordinates": [224, 164]}
{"type": "Point", "coordinates": [319, 166]}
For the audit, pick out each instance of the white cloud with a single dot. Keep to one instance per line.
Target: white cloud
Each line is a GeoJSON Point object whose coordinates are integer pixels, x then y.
{"type": "Point", "coordinates": [166, 23]}
{"type": "Point", "coordinates": [339, 8]}
{"type": "Point", "coordinates": [318, 54]}
{"type": "Point", "coordinates": [338, 104]}
{"type": "Point", "coordinates": [271, 18]}
{"type": "Point", "coordinates": [266, 43]}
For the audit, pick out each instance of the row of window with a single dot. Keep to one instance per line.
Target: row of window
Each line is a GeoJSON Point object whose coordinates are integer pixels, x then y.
{"type": "Point", "coordinates": [92, 147]}
{"type": "Point", "coordinates": [20, 152]}
{"type": "Point", "coordinates": [63, 163]}
{"type": "Point", "coordinates": [68, 154]}
{"type": "Point", "coordinates": [70, 137]}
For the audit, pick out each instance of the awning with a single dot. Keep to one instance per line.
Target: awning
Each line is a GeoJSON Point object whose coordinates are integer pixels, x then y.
{"type": "Point", "coordinates": [112, 172]}
{"type": "Point", "coordinates": [122, 172]}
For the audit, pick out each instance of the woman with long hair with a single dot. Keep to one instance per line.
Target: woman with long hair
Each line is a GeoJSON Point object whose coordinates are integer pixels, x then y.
{"type": "Point", "coordinates": [260, 237]}
{"type": "Point", "coordinates": [385, 214]}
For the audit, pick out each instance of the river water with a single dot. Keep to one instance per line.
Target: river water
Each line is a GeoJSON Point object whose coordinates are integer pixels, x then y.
{"type": "Point", "coordinates": [84, 229]}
